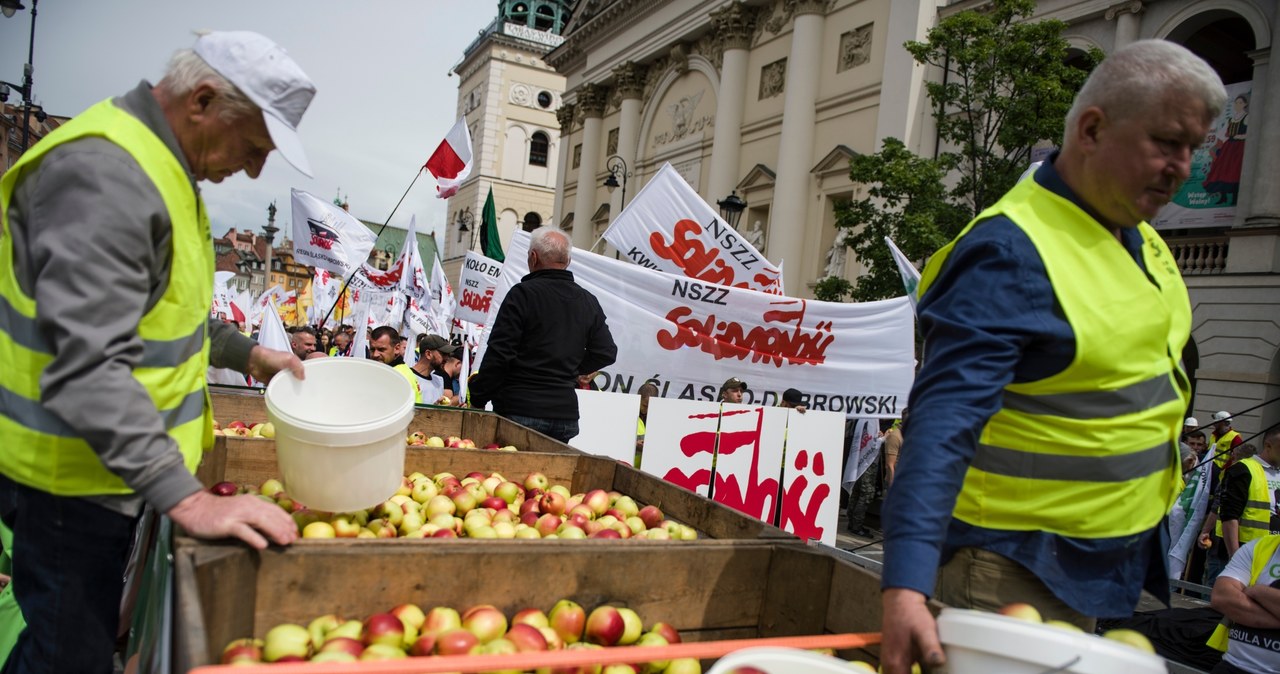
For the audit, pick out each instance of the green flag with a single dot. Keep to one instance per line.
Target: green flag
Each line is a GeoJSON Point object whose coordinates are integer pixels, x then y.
{"type": "Point", "coordinates": [490, 242]}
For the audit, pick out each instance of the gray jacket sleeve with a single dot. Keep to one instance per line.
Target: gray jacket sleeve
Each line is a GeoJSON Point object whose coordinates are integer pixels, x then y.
{"type": "Point", "coordinates": [227, 347]}
{"type": "Point", "coordinates": [97, 233]}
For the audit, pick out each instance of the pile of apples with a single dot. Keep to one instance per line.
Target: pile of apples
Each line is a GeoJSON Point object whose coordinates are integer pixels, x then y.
{"type": "Point", "coordinates": [241, 429]}
{"type": "Point", "coordinates": [420, 439]}
{"type": "Point", "coordinates": [481, 630]}
{"type": "Point", "coordinates": [1128, 637]}
{"type": "Point", "coordinates": [480, 506]}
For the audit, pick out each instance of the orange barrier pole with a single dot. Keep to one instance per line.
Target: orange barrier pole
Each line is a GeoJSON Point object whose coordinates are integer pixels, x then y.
{"type": "Point", "coordinates": [561, 658]}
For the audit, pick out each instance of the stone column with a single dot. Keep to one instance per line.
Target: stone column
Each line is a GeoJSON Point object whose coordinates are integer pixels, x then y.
{"type": "Point", "coordinates": [628, 80]}
{"type": "Point", "coordinates": [565, 116]}
{"type": "Point", "coordinates": [789, 220]}
{"type": "Point", "coordinates": [1263, 200]}
{"type": "Point", "coordinates": [591, 101]}
{"type": "Point", "coordinates": [1127, 21]}
{"type": "Point", "coordinates": [734, 26]}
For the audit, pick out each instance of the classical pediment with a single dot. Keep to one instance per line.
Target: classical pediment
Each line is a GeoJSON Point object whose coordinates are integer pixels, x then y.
{"type": "Point", "coordinates": [836, 161]}
{"type": "Point", "coordinates": [759, 176]}
{"type": "Point", "coordinates": [601, 214]}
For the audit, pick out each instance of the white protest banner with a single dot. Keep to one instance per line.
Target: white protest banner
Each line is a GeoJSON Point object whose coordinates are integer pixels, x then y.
{"type": "Point", "coordinates": [442, 302]}
{"type": "Point", "coordinates": [749, 458]}
{"type": "Point", "coordinates": [1187, 516]}
{"type": "Point", "coordinates": [274, 294]}
{"type": "Point", "coordinates": [607, 424]}
{"type": "Point", "coordinates": [910, 275]}
{"type": "Point", "coordinates": [477, 282]}
{"type": "Point", "coordinates": [680, 442]}
{"type": "Point", "coordinates": [360, 303]}
{"type": "Point", "coordinates": [689, 336]}
{"type": "Point", "coordinates": [668, 227]}
{"type": "Point", "coordinates": [810, 502]}
{"type": "Point", "coordinates": [414, 281]}
{"type": "Point", "coordinates": [327, 237]}
{"type": "Point", "coordinates": [222, 294]}
{"type": "Point", "coordinates": [866, 447]}
{"type": "Point", "coordinates": [325, 289]}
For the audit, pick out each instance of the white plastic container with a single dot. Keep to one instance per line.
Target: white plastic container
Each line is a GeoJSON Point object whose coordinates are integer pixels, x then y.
{"type": "Point", "coordinates": [986, 643]}
{"type": "Point", "coordinates": [340, 433]}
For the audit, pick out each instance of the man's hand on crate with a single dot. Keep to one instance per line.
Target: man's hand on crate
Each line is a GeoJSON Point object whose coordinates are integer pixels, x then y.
{"type": "Point", "coordinates": [909, 632]}
{"type": "Point", "coordinates": [246, 517]}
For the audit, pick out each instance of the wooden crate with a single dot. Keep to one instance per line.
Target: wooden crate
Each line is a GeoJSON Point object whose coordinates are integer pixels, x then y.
{"type": "Point", "coordinates": [253, 460]}
{"type": "Point", "coordinates": [249, 406]}
{"type": "Point", "coordinates": [719, 590]}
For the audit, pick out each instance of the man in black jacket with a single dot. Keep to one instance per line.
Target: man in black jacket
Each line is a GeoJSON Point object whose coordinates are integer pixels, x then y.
{"type": "Point", "coordinates": [548, 331]}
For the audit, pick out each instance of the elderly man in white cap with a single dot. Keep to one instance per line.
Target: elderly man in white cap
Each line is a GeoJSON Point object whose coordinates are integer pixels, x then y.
{"type": "Point", "coordinates": [105, 333]}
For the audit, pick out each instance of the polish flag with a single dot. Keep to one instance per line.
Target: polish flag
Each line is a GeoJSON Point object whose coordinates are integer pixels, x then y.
{"type": "Point", "coordinates": [451, 162]}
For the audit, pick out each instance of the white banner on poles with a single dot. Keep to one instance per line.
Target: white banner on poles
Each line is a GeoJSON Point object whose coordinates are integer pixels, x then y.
{"type": "Point", "coordinates": [477, 282]}
{"type": "Point", "coordinates": [749, 458]}
{"type": "Point", "coordinates": [680, 442]}
{"type": "Point", "coordinates": [688, 336]}
{"type": "Point", "coordinates": [327, 237]}
{"type": "Point", "coordinates": [811, 474]}
{"type": "Point", "coordinates": [670, 228]}
{"type": "Point", "coordinates": [866, 447]}
{"type": "Point", "coordinates": [607, 424]}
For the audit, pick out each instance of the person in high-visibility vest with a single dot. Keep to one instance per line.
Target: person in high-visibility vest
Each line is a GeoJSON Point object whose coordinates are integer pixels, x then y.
{"type": "Point", "coordinates": [106, 279]}
{"type": "Point", "coordinates": [1223, 438]}
{"type": "Point", "coordinates": [1247, 593]}
{"type": "Point", "coordinates": [1042, 454]}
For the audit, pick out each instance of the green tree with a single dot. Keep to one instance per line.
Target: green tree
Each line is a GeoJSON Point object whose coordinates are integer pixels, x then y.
{"type": "Point", "coordinates": [1006, 86]}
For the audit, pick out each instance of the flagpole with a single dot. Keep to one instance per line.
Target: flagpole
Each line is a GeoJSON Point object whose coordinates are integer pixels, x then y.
{"type": "Point", "coordinates": [352, 275]}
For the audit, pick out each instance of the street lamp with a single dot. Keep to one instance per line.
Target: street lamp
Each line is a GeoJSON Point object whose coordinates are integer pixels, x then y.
{"type": "Point", "coordinates": [466, 223]}
{"type": "Point", "coordinates": [9, 8]}
{"type": "Point", "coordinates": [617, 169]}
{"type": "Point", "coordinates": [731, 208]}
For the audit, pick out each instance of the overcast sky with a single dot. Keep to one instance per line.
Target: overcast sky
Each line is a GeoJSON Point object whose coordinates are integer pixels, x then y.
{"type": "Point", "coordinates": [381, 67]}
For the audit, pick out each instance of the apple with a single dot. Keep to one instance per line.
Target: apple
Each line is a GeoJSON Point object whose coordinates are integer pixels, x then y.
{"type": "Point", "coordinates": [418, 438]}
{"type": "Point", "coordinates": [653, 640]}
{"type": "Point", "coordinates": [571, 532]}
{"type": "Point", "coordinates": [1021, 611]}
{"type": "Point", "coordinates": [319, 530]}
{"type": "Point", "coordinates": [651, 516]}
{"type": "Point", "coordinates": [286, 640]}
{"type": "Point", "coordinates": [493, 502]}
{"type": "Point", "coordinates": [597, 500]}
{"type": "Point", "coordinates": [453, 441]}
{"type": "Point", "coordinates": [530, 616]}
{"type": "Point", "coordinates": [632, 627]}
{"type": "Point", "coordinates": [561, 490]}
{"type": "Point", "coordinates": [424, 645]}
{"type": "Point", "coordinates": [1132, 638]}
{"type": "Point", "coordinates": [657, 535]}
{"type": "Point", "coordinates": [344, 527]}
{"type": "Point", "coordinates": [505, 515]}
{"type": "Point", "coordinates": [667, 632]}
{"type": "Point", "coordinates": [265, 430]}
{"type": "Point", "coordinates": [477, 492]}
{"type": "Point", "coordinates": [508, 448]}
{"type": "Point", "coordinates": [504, 530]}
{"type": "Point", "coordinates": [627, 506]}
{"type": "Point", "coordinates": [636, 525]}
{"type": "Point", "coordinates": [526, 638]}
{"type": "Point", "coordinates": [604, 533]}
{"type": "Point", "coordinates": [605, 626]}
{"type": "Point", "coordinates": [320, 627]}
{"type": "Point", "coordinates": [441, 619]}
{"type": "Point", "coordinates": [618, 668]}
{"type": "Point", "coordinates": [531, 505]}
{"type": "Point", "coordinates": [271, 488]}
{"type": "Point", "coordinates": [491, 483]}
{"type": "Point", "coordinates": [378, 652]}
{"type": "Point", "coordinates": [445, 533]}
{"type": "Point", "coordinates": [411, 615]}
{"type": "Point", "coordinates": [455, 642]}
{"type": "Point", "coordinates": [547, 524]}
{"type": "Point", "coordinates": [467, 443]}
{"type": "Point", "coordinates": [554, 642]}
{"type": "Point", "coordinates": [237, 424]}
{"type": "Point", "coordinates": [412, 521]}
{"type": "Point", "coordinates": [343, 645]}
{"type": "Point", "coordinates": [333, 656]}
{"type": "Point", "coordinates": [485, 621]}
{"type": "Point", "coordinates": [578, 520]}
{"type": "Point", "coordinates": [463, 501]}
{"type": "Point", "coordinates": [527, 532]}
{"type": "Point", "coordinates": [365, 533]}
{"type": "Point", "coordinates": [383, 628]}
{"type": "Point", "coordinates": [684, 666]}
{"type": "Point", "coordinates": [492, 445]}
{"type": "Point", "coordinates": [508, 491]}
{"type": "Point", "coordinates": [568, 619]}
{"type": "Point", "coordinates": [242, 651]}
{"type": "Point", "coordinates": [1063, 625]}
{"type": "Point", "coordinates": [688, 533]}
{"type": "Point", "coordinates": [424, 490]}
{"type": "Point", "coordinates": [583, 511]}
{"type": "Point", "coordinates": [435, 441]}
{"type": "Point", "coordinates": [224, 489]}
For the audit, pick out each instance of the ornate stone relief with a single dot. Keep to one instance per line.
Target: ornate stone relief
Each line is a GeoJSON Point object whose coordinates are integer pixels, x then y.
{"type": "Point", "coordinates": [521, 95]}
{"type": "Point", "coordinates": [855, 48]}
{"type": "Point", "coordinates": [683, 120]}
{"type": "Point", "coordinates": [592, 99]}
{"type": "Point", "coordinates": [565, 115]}
{"type": "Point", "coordinates": [734, 25]}
{"type": "Point", "coordinates": [611, 144]}
{"type": "Point", "coordinates": [773, 79]}
{"type": "Point", "coordinates": [577, 155]}
{"type": "Point", "coordinates": [773, 18]}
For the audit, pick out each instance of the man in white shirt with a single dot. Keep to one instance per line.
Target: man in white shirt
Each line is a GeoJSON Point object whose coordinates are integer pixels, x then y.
{"type": "Point", "coordinates": [1247, 593]}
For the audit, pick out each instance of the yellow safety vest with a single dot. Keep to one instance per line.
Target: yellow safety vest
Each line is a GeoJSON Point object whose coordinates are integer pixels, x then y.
{"type": "Point", "coordinates": [407, 372]}
{"type": "Point", "coordinates": [1222, 447]}
{"type": "Point", "coordinates": [1262, 553]}
{"type": "Point", "coordinates": [1256, 520]}
{"type": "Point", "coordinates": [1092, 451]}
{"type": "Point", "coordinates": [40, 449]}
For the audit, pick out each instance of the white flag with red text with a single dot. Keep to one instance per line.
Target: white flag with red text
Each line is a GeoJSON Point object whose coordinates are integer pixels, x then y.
{"type": "Point", "coordinates": [670, 228]}
{"type": "Point", "coordinates": [327, 237]}
{"type": "Point", "coordinates": [477, 282]}
{"type": "Point", "coordinates": [451, 162]}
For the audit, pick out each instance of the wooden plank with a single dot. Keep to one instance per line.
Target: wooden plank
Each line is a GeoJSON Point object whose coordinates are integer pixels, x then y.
{"type": "Point", "coordinates": [594, 472]}
{"type": "Point", "coordinates": [714, 519]}
{"type": "Point", "coordinates": [237, 405]}
{"type": "Point", "coordinates": [798, 592]}
{"type": "Point", "coordinates": [212, 469]}
{"type": "Point", "coordinates": [190, 644]}
{"type": "Point", "coordinates": [711, 586]}
{"type": "Point", "coordinates": [224, 576]}
{"type": "Point", "coordinates": [442, 422]}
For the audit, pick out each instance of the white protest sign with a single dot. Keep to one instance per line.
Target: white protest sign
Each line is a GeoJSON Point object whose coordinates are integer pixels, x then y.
{"type": "Point", "coordinates": [327, 237]}
{"type": "Point", "coordinates": [680, 442]}
{"type": "Point", "coordinates": [607, 424]}
{"type": "Point", "coordinates": [811, 474]}
{"type": "Point", "coordinates": [689, 336]}
{"type": "Point", "coordinates": [749, 459]}
{"type": "Point", "coordinates": [670, 228]}
{"type": "Point", "coordinates": [478, 280]}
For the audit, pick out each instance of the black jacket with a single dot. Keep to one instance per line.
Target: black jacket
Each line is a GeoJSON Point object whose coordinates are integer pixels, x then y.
{"type": "Point", "coordinates": [548, 331]}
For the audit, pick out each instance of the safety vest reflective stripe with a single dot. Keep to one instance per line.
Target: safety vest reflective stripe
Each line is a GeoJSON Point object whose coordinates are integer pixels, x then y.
{"type": "Point", "coordinates": [155, 353]}
{"type": "Point", "coordinates": [1262, 553]}
{"type": "Point", "coordinates": [31, 414]}
{"type": "Point", "coordinates": [1076, 468]}
{"type": "Point", "coordinates": [1096, 404]}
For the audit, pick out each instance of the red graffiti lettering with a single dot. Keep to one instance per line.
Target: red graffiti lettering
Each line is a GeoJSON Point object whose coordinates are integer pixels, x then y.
{"type": "Point", "coordinates": [759, 497]}
{"type": "Point", "coordinates": [322, 242]}
{"type": "Point", "coordinates": [699, 478]}
{"type": "Point", "coordinates": [800, 518]}
{"type": "Point", "coordinates": [729, 339]}
{"type": "Point", "coordinates": [476, 301]}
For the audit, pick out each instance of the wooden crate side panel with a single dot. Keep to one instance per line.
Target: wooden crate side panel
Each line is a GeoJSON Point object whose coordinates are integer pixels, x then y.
{"type": "Point", "coordinates": [798, 592]}
{"type": "Point", "coordinates": [594, 472]}
{"type": "Point", "coordinates": [225, 577]}
{"type": "Point", "coordinates": [716, 586]}
{"type": "Point", "coordinates": [507, 432]}
{"type": "Point", "coordinates": [713, 519]}
{"type": "Point", "coordinates": [247, 406]}
{"type": "Point", "coordinates": [213, 464]}
{"type": "Point", "coordinates": [855, 606]}
{"type": "Point", "coordinates": [442, 422]}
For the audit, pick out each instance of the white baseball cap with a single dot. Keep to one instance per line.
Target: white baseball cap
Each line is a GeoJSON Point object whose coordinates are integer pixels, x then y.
{"type": "Point", "coordinates": [263, 71]}
{"type": "Point", "coordinates": [1221, 416]}
{"type": "Point", "coordinates": [1192, 421]}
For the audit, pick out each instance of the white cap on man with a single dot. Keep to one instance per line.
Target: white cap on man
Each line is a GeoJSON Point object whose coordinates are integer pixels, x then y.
{"type": "Point", "coordinates": [1191, 422]}
{"type": "Point", "coordinates": [263, 71]}
{"type": "Point", "coordinates": [1221, 416]}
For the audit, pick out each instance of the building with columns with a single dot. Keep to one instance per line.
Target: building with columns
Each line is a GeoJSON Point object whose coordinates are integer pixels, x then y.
{"type": "Point", "coordinates": [509, 96]}
{"type": "Point", "coordinates": [772, 97]}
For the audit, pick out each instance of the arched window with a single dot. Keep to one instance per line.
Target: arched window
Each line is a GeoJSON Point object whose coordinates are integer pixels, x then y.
{"type": "Point", "coordinates": [544, 17]}
{"type": "Point", "coordinates": [519, 14]}
{"type": "Point", "coordinates": [531, 222]}
{"type": "Point", "coordinates": [538, 149]}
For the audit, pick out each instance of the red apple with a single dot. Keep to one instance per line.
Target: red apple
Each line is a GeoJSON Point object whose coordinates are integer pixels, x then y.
{"type": "Point", "coordinates": [242, 650]}
{"type": "Point", "coordinates": [568, 618]}
{"type": "Point", "coordinates": [597, 500]}
{"type": "Point", "coordinates": [536, 481]}
{"type": "Point", "coordinates": [383, 628]}
{"type": "Point", "coordinates": [605, 626]}
{"type": "Point", "coordinates": [667, 631]}
{"type": "Point", "coordinates": [547, 524]}
{"type": "Point", "coordinates": [526, 638]}
{"type": "Point", "coordinates": [237, 424]}
{"type": "Point", "coordinates": [554, 642]}
{"type": "Point", "coordinates": [651, 516]}
{"type": "Point", "coordinates": [530, 505]}
{"type": "Point", "coordinates": [530, 519]}
{"type": "Point", "coordinates": [410, 615]}
{"type": "Point", "coordinates": [343, 645]}
{"type": "Point", "coordinates": [455, 642]}
{"type": "Point", "coordinates": [493, 502]}
{"type": "Point", "coordinates": [485, 621]}
{"type": "Point", "coordinates": [530, 616]}
{"type": "Point", "coordinates": [605, 533]}
{"type": "Point", "coordinates": [224, 489]}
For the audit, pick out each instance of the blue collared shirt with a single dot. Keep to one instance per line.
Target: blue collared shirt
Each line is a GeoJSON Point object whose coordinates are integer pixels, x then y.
{"type": "Point", "coordinates": [989, 320]}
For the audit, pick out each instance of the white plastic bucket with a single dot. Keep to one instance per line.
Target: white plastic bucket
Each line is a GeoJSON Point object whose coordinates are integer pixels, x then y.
{"type": "Point", "coordinates": [986, 643]}
{"type": "Point", "coordinates": [340, 434]}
